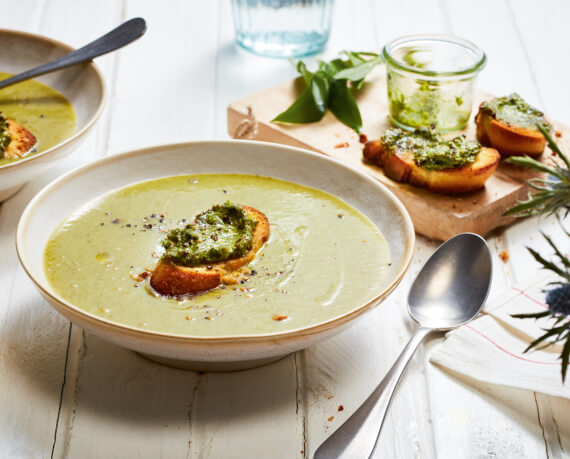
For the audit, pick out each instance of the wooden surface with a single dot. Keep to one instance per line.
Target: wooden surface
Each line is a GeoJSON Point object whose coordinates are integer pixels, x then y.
{"type": "Point", "coordinates": [435, 215]}
{"type": "Point", "coordinates": [65, 393]}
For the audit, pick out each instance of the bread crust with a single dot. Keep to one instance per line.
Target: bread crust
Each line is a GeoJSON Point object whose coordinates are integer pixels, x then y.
{"type": "Point", "coordinates": [21, 143]}
{"type": "Point", "coordinates": [399, 165]}
{"type": "Point", "coordinates": [508, 139]}
{"type": "Point", "coordinates": [172, 280]}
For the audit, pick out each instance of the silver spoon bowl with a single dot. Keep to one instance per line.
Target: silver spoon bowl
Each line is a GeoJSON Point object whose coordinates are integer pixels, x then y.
{"type": "Point", "coordinates": [449, 291]}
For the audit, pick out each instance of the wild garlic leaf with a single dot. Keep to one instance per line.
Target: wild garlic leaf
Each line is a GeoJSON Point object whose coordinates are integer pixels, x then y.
{"type": "Point", "coordinates": [354, 58]}
{"type": "Point", "coordinates": [343, 105]}
{"type": "Point", "coordinates": [320, 87]}
{"type": "Point", "coordinates": [333, 67]}
{"type": "Point", "coordinates": [302, 69]}
{"type": "Point", "coordinates": [328, 87]}
{"type": "Point", "coordinates": [358, 72]}
{"type": "Point", "coordinates": [310, 106]}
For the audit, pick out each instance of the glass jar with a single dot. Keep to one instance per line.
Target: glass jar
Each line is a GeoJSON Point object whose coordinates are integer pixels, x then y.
{"type": "Point", "coordinates": [282, 28]}
{"type": "Point", "coordinates": [431, 80]}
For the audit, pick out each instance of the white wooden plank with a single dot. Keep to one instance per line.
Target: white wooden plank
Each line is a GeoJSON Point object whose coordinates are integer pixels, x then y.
{"type": "Point", "coordinates": [481, 420]}
{"type": "Point", "coordinates": [543, 29]}
{"type": "Point", "coordinates": [22, 15]}
{"type": "Point", "coordinates": [248, 414]}
{"type": "Point", "coordinates": [507, 68]}
{"type": "Point", "coordinates": [345, 369]}
{"type": "Point", "coordinates": [127, 406]}
{"type": "Point", "coordinates": [240, 73]}
{"type": "Point", "coordinates": [164, 89]}
{"type": "Point", "coordinates": [34, 338]}
{"type": "Point", "coordinates": [229, 408]}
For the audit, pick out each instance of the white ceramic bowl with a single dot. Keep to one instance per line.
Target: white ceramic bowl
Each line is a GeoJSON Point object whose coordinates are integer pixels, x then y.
{"type": "Point", "coordinates": [81, 84]}
{"type": "Point", "coordinates": [60, 198]}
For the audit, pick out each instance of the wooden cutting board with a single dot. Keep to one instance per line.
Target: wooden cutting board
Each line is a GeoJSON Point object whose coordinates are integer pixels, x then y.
{"type": "Point", "coordinates": [434, 215]}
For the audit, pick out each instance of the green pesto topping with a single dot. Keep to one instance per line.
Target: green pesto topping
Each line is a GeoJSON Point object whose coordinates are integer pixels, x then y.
{"type": "Point", "coordinates": [514, 110]}
{"type": "Point", "coordinates": [218, 234]}
{"type": "Point", "coordinates": [431, 150]}
{"type": "Point", "coordinates": [421, 108]}
{"type": "Point", "coordinates": [5, 138]}
{"type": "Point", "coordinates": [410, 57]}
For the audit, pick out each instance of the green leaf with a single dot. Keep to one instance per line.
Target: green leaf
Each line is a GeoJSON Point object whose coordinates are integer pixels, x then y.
{"type": "Point", "coordinates": [343, 105]}
{"type": "Point", "coordinates": [330, 69]}
{"type": "Point", "coordinates": [563, 259]}
{"type": "Point", "coordinates": [320, 87]}
{"type": "Point", "coordinates": [548, 264]}
{"type": "Point", "coordinates": [564, 355]}
{"type": "Point", "coordinates": [354, 58]}
{"type": "Point", "coordinates": [358, 72]}
{"type": "Point", "coordinates": [302, 69]}
{"type": "Point", "coordinates": [548, 334]}
{"type": "Point", "coordinates": [532, 315]}
{"type": "Point", "coordinates": [553, 145]}
{"type": "Point", "coordinates": [311, 104]}
{"type": "Point", "coordinates": [527, 161]}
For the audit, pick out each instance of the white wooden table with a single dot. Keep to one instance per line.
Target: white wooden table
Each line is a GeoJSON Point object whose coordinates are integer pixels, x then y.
{"type": "Point", "coordinates": [65, 393]}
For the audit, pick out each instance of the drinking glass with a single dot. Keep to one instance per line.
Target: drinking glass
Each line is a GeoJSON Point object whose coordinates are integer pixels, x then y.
{"type": "Point", "coordinates": [282, 28]}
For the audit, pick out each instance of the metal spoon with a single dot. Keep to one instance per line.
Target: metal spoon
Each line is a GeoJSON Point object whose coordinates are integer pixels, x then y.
{"type": "Point", "coordinates": [449, 291]}
{"type": "Point", "coordinates": [115, 39]}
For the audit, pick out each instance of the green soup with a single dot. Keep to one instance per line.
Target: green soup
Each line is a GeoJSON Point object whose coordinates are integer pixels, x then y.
{"type": "Point", "coordinates": [323, 257]}
{"type": "Point", "coordinates": [42, 110]}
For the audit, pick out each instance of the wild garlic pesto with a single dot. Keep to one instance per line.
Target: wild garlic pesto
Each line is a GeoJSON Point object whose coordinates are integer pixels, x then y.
{"type": "Point", "coordinates": [218, 234]}
{"type": "Point", "coordinates": [322, 259]}
{"type": "Point", "coordinates": [431, 150]}
{"type": "Point", "coordinates": [4, 135]}
{"type": "Point", "coordinates": [430, 81]}
{"type": "Point", "coordinates": [45, 112]}
{"type": "Point", "coordinates": [515, 111]}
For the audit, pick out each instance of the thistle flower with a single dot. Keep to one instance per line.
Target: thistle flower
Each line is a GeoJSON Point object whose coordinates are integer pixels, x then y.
{"type": "Point", "coordinates": [558, 300]}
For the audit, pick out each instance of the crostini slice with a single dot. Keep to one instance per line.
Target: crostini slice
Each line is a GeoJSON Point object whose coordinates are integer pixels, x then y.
{"type": "Point", "coordinates": [174, 280]}
{"type": "Point", "coordinates": [400, 165]}
{"type": "Point", "coordinates": [21, 142]}
{"type": "Point", "coordinates": [514, 132]}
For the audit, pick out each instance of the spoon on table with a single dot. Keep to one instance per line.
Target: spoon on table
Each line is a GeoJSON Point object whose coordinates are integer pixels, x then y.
{"type": "Point", "coordinates": [449, 291]}
{"type": "Point", "coordinates": [115, 39]}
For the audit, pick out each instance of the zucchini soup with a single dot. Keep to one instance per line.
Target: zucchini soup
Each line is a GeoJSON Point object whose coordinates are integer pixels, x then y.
{"type": "Point", "coordinates": [323, 258]}
{"type": "Point", "coordinates": [42, 110]}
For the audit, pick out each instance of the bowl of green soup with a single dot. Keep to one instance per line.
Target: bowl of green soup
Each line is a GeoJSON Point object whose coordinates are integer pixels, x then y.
{"type": "Point", "coordinates": [58, 109]}
{"type": "Point", "coordinates": [339, 243]}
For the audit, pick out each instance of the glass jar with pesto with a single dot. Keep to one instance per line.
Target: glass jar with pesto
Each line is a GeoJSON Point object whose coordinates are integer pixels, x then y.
{"type": "Point", "coordinates": [430, 80]}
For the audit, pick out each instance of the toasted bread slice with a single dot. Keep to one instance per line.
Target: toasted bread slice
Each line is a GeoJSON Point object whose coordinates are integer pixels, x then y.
{"type": "Point", "coordinates": [173, 280]}
{"type": "Point", "coordinates": [21, 143]}
{"type": "Point", "coordinates": [399, 165]}
{"type": "Point", "coordinates": [509, 140]}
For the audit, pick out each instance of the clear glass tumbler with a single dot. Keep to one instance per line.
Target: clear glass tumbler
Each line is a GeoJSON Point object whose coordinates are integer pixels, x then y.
{"type": "Point", "coordinates": [431, 80]}
{"type": "Point", "coordinates": [282, 28]}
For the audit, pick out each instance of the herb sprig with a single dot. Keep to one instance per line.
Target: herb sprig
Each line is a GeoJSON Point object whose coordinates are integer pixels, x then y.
{"type": "Point", "coordinates": [552, 193]}
{"type": "Point", "coordinates": [331, 87]}
{"type": "Point", "coordinates": [551, 197]}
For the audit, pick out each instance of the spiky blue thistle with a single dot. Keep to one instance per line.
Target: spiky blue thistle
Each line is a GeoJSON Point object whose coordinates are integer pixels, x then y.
{"type": "Point", "coordinates": [558, 300]}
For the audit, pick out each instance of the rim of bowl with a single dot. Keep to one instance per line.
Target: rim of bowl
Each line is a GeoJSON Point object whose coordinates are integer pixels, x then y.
{"type": "Point", "coordinates": [305, 330]}
{"type": "Point", "coordinates": [88, 124]}
{"type": "Point", "coordinates": [481, 57]}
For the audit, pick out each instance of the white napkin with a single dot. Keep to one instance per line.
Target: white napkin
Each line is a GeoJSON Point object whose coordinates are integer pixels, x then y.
{"type": "Point", "coordinates": [490, 348]}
